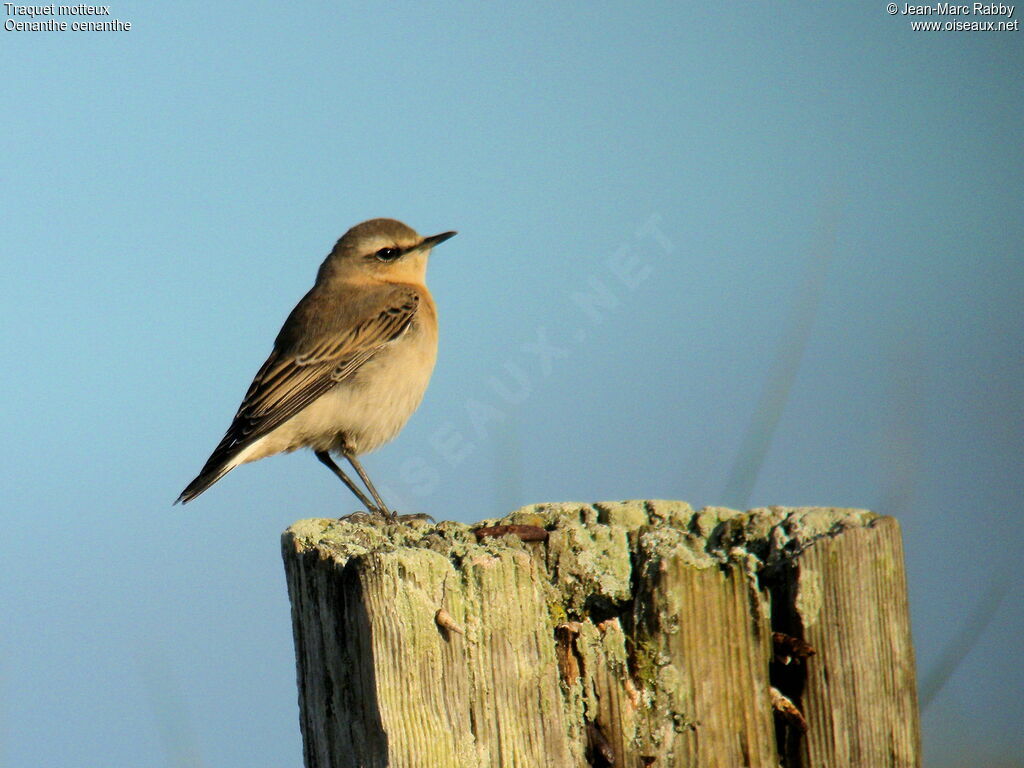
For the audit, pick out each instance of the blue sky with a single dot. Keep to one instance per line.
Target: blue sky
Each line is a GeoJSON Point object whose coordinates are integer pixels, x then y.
{"type": "Point", "coordinates": [169, 192]}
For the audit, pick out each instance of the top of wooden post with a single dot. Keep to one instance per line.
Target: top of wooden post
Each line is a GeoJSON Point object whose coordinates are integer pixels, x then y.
{"type": "Point", "coordinates": [710, 535]}
{"type": "Point", "coordinates": [617, 633]}
{"type": "Point", "coordinates": [590, 550]}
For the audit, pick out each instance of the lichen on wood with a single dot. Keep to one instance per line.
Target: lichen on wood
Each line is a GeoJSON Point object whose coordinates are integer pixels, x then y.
{"type": "Point", "coordinates": [635, 633]}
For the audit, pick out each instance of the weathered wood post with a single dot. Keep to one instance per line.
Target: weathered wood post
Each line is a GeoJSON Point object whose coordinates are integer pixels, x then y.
{"type": "Point", "coordinates": [617, 634]}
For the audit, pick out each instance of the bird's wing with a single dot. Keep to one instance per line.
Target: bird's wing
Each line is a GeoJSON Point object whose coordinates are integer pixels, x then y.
{"type": "Point", "coordinates": [299, 371]}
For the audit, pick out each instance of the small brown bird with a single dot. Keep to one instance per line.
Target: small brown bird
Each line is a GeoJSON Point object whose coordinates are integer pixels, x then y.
{"type": "Point", "coordinates": [350, 364]}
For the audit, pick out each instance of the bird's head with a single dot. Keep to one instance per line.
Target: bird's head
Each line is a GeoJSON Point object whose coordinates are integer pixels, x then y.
{"type": "Point", "coordinates": [381, 249]}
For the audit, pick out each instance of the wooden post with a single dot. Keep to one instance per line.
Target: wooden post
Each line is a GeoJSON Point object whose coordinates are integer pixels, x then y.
{"type": "Point", "coordinates": [614, 634]}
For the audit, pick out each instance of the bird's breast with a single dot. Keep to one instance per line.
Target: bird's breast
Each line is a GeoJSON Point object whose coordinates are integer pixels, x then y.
{"type": "Point", "coordinates": [371, 407]}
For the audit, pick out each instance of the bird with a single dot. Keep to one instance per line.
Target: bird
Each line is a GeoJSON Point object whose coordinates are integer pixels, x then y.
{"type": "Point", "coordinates": [350, 364]}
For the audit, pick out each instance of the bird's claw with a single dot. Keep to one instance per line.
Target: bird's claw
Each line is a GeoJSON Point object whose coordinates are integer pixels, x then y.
{"type": "Point", "coordinates": [411, 518]}
{"type": "Point", "coordinates": [360, 517]}
{"type": "Point", "coordinates": [377, 515]}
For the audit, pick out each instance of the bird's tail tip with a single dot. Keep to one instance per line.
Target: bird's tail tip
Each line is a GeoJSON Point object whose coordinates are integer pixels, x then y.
{"type": "Point", "coordinates": [216, 467]}
{"type": "Point", "coordinates": [185, 497]}
{"type": "Point", "coordinates": [200, 484]}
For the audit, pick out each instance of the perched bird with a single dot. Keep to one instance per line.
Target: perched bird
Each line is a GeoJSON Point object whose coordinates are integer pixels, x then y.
{"type": "Point", "coordinates": [350, 364]}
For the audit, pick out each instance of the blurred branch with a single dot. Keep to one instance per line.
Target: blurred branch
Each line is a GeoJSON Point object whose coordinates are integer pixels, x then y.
{"type": "Point", "coordinates": [901, 447]}
{"type": "Point", "coordinates": [783, 370]}
{"type": "Point", "coordinates": [901, 460]}
{"type": "Point", "coordinates": [963, 642]}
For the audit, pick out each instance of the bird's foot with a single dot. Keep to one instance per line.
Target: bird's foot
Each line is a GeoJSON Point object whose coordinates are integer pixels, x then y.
{"type": "Point", "coordinates": [361, 517]}
{"type": "Point", "coordinates": [411, 518]}
{"type": "Point", "coordinates": [377, 515]}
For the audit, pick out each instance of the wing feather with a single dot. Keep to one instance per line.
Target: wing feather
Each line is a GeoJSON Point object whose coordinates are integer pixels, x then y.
{"type": "Point", "coordinates": [291, 381]}
{"type": "Point", "coordinates": [296, 374]}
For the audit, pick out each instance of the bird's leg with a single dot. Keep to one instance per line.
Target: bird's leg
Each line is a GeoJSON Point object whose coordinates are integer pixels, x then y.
{"type": "Point", "coordinates": [373, 491]}
{"type": "Point", "coordinates": [327, 461]}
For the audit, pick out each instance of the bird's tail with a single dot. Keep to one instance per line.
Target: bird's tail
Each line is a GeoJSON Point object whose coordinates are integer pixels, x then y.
{"type": "Point", "coordinates": [214, 470]}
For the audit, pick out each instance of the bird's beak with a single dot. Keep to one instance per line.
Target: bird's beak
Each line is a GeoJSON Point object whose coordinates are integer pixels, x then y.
{"type": "Point", "coordinates": [429, 242]}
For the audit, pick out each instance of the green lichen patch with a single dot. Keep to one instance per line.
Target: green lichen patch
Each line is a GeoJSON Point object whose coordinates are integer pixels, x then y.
{"type": "Point", "coordinates": [600, 598]}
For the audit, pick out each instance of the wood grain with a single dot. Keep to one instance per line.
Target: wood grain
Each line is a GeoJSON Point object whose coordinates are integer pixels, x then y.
{"type": "Point", "coordinates": [637, 634]}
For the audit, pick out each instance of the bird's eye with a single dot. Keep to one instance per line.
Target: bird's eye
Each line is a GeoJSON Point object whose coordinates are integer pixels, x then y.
{"type": "Point", "coordinates": [388, 254]}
